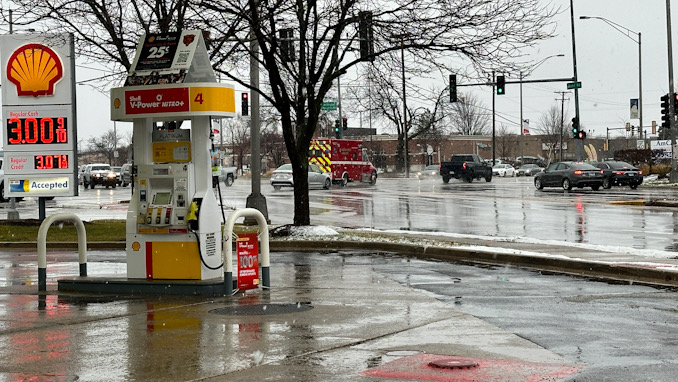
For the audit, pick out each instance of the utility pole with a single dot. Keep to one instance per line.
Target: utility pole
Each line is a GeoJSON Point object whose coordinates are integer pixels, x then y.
{"type": "Point", "coordinates": [673, 177]}
{"type": "Point", "coordinates": [494, 84]}
{"type": "Point", "coordinates": [562, 121]}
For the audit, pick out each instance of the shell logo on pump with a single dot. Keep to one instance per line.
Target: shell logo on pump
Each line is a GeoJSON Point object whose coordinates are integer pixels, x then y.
{"type": "Point", "coordinates": [34, 69]}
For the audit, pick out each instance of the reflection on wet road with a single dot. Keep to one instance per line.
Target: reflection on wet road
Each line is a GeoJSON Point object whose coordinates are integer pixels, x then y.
{"type": "Point", "coordinates": [505, 207]}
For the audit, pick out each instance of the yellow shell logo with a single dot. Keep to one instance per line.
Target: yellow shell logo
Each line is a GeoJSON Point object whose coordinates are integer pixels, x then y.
{"type": "Point", "coordinates": [34, 69]}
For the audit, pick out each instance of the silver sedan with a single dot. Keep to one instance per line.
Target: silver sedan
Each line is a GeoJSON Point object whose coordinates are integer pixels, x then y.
{"type": "Point", "coordinates": [282, 177]}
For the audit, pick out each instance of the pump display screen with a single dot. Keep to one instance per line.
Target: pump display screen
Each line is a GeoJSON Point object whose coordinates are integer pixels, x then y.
{"type": "Point", "coordinates": [162, 198]}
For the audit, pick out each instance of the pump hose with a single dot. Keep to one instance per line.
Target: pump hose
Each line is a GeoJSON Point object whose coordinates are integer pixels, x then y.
{"type": "Point", "coordinates": [202, 260]}
{"type": "Point", "coordinates": [221, 202]}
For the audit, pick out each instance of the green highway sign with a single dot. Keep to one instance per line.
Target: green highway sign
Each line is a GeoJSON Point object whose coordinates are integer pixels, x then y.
{"type": "Point", "coordinates": [329, 106]}
{"type": "Point", "coordinates": [574, 85]}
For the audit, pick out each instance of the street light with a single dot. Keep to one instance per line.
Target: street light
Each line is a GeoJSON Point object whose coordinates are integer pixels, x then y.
{"type": "Point", "coordinates": [535, 66]}
{"type": "Point", "coordinates": [402, 37]}
{"type": "Point", "coordinates": [628, 33]}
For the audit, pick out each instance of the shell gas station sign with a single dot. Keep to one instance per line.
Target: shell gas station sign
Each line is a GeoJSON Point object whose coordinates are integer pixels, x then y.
{"type": "Point", "coordinates": [39, 131]}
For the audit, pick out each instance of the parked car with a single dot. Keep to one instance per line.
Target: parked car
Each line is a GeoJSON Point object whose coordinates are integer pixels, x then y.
{"type": "Point", "coordinates": [99, 173]}
{"type": "Point", "coordinates": [81, 170]}
{"type": "Point", "coordinates": [618, 173]}
{"type": "Point", "coordinates": [529, 169]}
{"type": "Point", "coordinates": [282, 177]}
{"type": "Point", "coordinates": [568, 175]}
{"type": "Point", "coordinates": [116, 170]}
{"type": "Point", "coordinates": [432, 170]}
{"type": "Point", "coordinates": [503, 170]}
{"type": "Point", "coordinates": [126, 174]}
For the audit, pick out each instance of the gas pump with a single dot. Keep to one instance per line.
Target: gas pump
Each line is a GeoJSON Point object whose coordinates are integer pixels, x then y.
{"type": "Point", "coordinates": [173, 227]}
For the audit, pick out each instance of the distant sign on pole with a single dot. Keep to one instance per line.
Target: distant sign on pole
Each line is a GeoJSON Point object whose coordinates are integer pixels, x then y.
{"type": "Point", "coordinates": [634, 108]}
{"type": "Point", "coordinates": [329, 106]}
{"type": "Point", "coordinates": [661, 149]}
{"type": "Point", "coordinates": [574, 85]}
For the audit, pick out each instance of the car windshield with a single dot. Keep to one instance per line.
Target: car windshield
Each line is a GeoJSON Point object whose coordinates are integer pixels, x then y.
{"type": "Point", "coordinates": [530, 166]}
{"type": "Point", "coordinates": [499, 166]}
{"type": "Point", "coordinates": [101, 168]}
{"type": "Point", "coordinates": [583, 166]}
{"type": "Point", "coordinates": [431, 167]}
{"type": "Point", "coordinates": [285, 167]}
{"type": "Point", "coordinates": [621, 165]}
{"type": "Point", "coordinates": [116, 169]}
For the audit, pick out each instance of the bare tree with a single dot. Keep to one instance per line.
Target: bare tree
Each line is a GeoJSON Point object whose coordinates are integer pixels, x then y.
{"type": "Point", "coordinates": [238, 136]}
{"type": "Point", "coordinates": [506, 142]}
{"type": "Point", "coordinates": [272, 145]}
{"type": "Point", "coordinates": [105, 144]}
{"type": "Point", "coordinates": [551, 126]}
{"type": "Point", "coordinates": [301, 67]}
{"type": "Point", "coordinates": [469, 116]}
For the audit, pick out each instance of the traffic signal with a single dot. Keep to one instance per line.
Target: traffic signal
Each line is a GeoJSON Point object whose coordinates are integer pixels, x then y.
{"type": "Point", "coordinates": [675, 103]}
{"type": "Point", "coordinates": [366, 35]}
{"type": "Point", "coordinates": [345, 123]}
{"type": "Point", "coordinates": [665, 111]}
{"type": "Point", "coordinates": [581, 134]}
{"type": "Point", "coordinates": [337, 129]}
{"type": "Point", "coordinates": [575, 128]}
{"type": "Point", "coordinates": [245, 106]}
{"type": "Point", "coordinates": [501, 84]}
{"type": "Point", "coordinates": [453, 88]}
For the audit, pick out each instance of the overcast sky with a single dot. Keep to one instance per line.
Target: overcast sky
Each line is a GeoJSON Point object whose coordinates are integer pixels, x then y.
{"type": "Point", "coordinates": [607, 64]}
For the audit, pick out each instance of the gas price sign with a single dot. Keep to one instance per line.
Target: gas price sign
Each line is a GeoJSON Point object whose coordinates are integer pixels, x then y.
{"type": "Point", "coordinates": [40, 131]}
{"type": "Point", "coordinates": [37, 114]}
{"type": "Point", "coordinates": [38, 140]}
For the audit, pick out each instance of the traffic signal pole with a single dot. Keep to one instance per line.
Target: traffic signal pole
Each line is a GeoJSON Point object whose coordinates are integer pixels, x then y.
{"type": "Point", "coordinates": [673, 177]}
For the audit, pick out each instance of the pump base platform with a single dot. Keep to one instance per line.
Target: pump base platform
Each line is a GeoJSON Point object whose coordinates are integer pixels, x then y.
{"type": "Point", "coordinates": [120, 285]}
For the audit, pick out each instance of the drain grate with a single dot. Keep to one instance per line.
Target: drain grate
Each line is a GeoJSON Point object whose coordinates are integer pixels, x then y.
{"type": "Point", "coordinates": [262, 309]}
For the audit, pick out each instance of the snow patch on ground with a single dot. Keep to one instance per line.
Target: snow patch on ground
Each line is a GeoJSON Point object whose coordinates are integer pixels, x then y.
{"type": "Point", "coordinates": [311, 231]}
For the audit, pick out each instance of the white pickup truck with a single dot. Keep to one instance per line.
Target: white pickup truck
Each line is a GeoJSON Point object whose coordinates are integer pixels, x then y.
{"type": "Point", "coordinates": [224, 174]}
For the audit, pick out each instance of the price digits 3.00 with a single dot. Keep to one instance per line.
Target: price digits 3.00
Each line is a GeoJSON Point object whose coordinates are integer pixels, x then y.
{"type": "Point", "coordinates": [46, 130]}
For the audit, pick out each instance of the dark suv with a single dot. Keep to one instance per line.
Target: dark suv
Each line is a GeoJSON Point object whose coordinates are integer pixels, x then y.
{"type": "Point", "coordinates": [99, 173]}
{"type": "Point", "coordinates": [618, 173]}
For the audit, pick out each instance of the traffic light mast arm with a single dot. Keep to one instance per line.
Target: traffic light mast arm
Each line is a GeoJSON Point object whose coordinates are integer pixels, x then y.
{"type": "Point", "coordinates": [524, 81]}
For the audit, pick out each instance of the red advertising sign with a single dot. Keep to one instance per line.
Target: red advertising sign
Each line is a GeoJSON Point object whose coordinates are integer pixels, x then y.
{"type": "Point", "coordinates": [248, 261]}
{"type": "Point", "coordinates": [169, 100]}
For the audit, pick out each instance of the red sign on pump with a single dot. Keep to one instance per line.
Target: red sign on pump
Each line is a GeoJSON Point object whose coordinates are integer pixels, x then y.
{"type": "Point", "coordinates": [248, 261]}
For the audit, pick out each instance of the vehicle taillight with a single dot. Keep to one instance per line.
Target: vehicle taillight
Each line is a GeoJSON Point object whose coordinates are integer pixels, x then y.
{"type": "Point", "coordinates": [619, 172]}
{"type": "Point", "coordinates": [640, 173]}
{"type": "Point", "coordinates": [463, 166]}
{"type": "Point", "coordinates": [578, 172]}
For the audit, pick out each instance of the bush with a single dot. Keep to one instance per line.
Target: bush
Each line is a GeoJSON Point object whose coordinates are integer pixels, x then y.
{"type": "Point", "coordinates": [660, 169]}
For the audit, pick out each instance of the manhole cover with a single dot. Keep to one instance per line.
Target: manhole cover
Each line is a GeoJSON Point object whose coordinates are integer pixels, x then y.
{"type": "Point", "coordinates": [262, 309]}
{"type": "Point", "coordinates": [453, 363]}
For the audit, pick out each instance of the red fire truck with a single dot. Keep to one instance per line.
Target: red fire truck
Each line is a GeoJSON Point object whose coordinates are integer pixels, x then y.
{"type": "Point", "coordinates": [345, 159]}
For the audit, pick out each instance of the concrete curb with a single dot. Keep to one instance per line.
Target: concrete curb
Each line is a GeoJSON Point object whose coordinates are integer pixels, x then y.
{"type": "Point", "coordinates": [616, 272]}
{"type": "Point", "coordinates": [631, 273]}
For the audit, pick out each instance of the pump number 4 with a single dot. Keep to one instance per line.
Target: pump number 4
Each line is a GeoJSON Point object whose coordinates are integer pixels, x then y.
{"type": "Point", "coordinates": [198, 98]}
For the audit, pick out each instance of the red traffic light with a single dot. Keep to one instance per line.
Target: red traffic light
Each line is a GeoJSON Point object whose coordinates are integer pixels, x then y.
{"type": "Point", "coordinates": [244, 95]}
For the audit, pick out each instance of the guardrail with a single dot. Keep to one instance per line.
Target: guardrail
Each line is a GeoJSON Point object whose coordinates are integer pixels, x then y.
{"type": "Point", "coordinates": [265, 255]}
{"type": "Point", "coordinates": [42, 246]}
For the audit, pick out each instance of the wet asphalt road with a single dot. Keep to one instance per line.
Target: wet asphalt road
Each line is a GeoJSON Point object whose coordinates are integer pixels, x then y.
{"type": "Point", "coordinates": [620, 332]}
{"type": "Point", "coordinates": [505, 207]}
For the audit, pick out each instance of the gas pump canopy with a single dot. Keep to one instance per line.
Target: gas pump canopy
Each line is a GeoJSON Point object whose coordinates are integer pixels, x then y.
{"type": "Point", "coordinates": [171, 79]}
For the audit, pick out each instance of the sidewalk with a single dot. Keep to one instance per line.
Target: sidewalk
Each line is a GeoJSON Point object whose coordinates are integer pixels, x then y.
{"type": "Point", "coordinates": [327, 317]}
